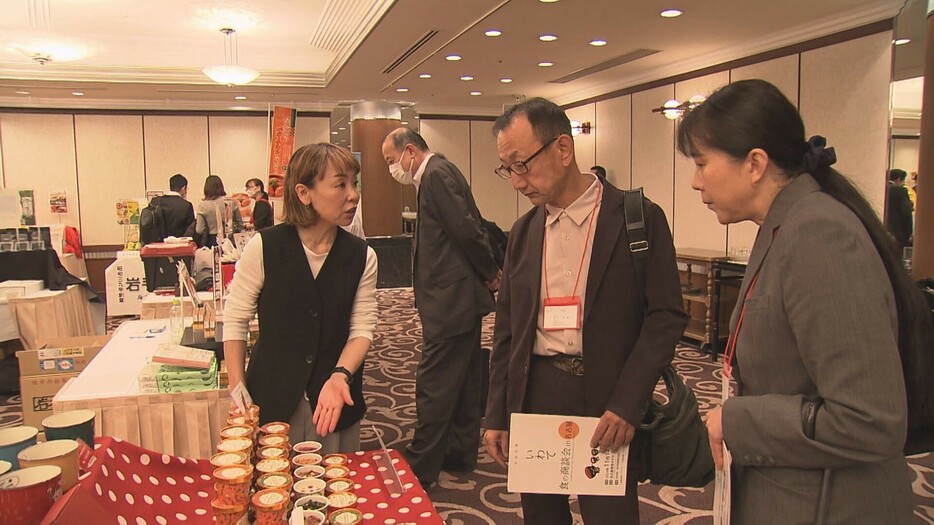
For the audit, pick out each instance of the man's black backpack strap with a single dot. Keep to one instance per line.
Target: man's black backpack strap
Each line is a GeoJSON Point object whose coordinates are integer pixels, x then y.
{"type": "Point", "coordinates": [638, 238]}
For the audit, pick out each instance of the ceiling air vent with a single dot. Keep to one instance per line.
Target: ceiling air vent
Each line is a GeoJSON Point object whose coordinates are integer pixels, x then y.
{"type": "Point", "coordinates": [602, 66]}
{"type": "Point", "coordinates": [410, 51]}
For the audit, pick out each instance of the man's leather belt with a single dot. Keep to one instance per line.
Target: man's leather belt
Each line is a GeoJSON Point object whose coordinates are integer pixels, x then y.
{"type": "Point", "coordinates": [572, 364]}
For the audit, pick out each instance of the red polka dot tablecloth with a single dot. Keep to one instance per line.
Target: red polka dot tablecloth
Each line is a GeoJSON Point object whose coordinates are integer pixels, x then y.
{"type": "Point", "coordinates": [134, 486]}
{"type": "Point", "coordinates": [374, 499]}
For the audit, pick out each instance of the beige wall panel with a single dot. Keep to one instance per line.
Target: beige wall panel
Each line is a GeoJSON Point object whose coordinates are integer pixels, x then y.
{"type": "Point", "coordinates": [613, 135]}
{"type": "Point", "coordinates": [238, 151]}
{"type": "Point", "coordinates": [905, 154]}
{"type": "Point", "coordinates": [653, 148]}
{"type": "Point", "coordinates": [39, 154]}
{"type": "Point", "coordinates": [695, 226]}
{"type": "Point", "coordinates": [311, 130]}
{"type": "Point", "coordinates": [585, 145]}
{"type": "Point", "coordinates": [845, 97]}
{"type": "Point", "coordinates": [110, 167]}
{"type": "Point", "coordinates": [176, 144]}
{"type": "Point", "coordinates": [783, 73]}
{"type": "Point", "coordinates": [450, 137]}
{"type": "Point", "coordinates": [495, 196]}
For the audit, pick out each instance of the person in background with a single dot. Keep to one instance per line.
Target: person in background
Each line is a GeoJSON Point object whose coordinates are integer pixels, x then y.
{"type": "Point", "coordinates": [572, 251]}
{"type": "Point", "coordinates": [898, 208]}
{"type": "Point", "coordinates": [599, 171]}
{"type": "Point", "coordinates": [178, 212]}
{"type": "Point", "coordinates": [454, 277]}
{"type": "Point", "coordinates": [819, 420]}
{"type": "Point", "coordinates": [215, 200]}
{"type": "Point", "coordinates": [913, 189]}
{"type": "Point", "coordinates": [262, 210]}
{"type": "Point", "coordinates": [316, 305]}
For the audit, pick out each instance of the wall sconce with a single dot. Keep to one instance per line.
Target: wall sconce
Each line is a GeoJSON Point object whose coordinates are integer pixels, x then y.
{"type": "Point", "coordinates": [673, 109]}
{"type": "Point", "coordinates": [580, 128]}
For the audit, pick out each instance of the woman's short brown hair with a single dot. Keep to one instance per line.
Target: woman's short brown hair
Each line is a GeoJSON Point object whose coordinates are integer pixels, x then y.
{"type": "Point", "coordinates": [307, 166]}
{"type": "Point", "coordinates": [213, 188]}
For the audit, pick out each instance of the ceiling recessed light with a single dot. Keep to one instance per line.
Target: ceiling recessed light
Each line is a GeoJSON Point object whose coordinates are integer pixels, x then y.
{"type": "Point", "coordinates": [342, 129]}
{"type": "Point", "coordinates": [598, 43]}
{"type": "Point", "coordinates": [77, 93]}
{"type": "Point", "coordinates": [404, 123]}
{"type": "Point", "coordinates": [466, 77]}
{"type": "Point", "coordinates": [547, 38]}
{"type": "Point", "coordinates": [475, 93]}
{"type": "Point", "coordinates": [452, 58]}
{"type": "Point", "coordinates": [505, 80]}
{"type": "Point", "coordinates": [671, 13]}
{"type": "Point", "coordinates": [901, 41]}
{"type": "Point", "coordinates": [239, 97]}
{"type": "Point", "coordinates": [424, 75]}
{"type": "Point", "coordinates": [335, 133]}
{"type": "Point", "coordinates": [547, 1]}
{"type": "Point", "coordinates": [545, 64]}
{"type": "Point", "coordinates": [402, 90]}
{"type": "Point", "coordinates": [493, 32]}
{"type": "Point", "coordinates": [22, 92]}
{"type": "Point", "coordinates": [416, 116]}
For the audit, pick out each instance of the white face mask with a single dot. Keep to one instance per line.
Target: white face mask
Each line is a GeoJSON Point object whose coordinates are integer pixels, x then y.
{"type": "Point", "coordinates": [401, 175]}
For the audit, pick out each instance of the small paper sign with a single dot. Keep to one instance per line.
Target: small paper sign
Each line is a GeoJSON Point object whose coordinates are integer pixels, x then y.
{"type": "Point", "coordinates": [241, 398]}
{"type": "Point", "coordinates": [552, 455]}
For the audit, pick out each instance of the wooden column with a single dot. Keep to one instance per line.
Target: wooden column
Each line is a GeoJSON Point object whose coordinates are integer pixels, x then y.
{"type": "Point", "coordinates": [923, 261]}
{"type": "Point", "coordinates": [382, 195]}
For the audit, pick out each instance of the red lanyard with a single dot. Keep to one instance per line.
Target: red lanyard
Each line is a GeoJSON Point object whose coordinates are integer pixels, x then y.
{"type": "Point", "coordinates": [730, 351]}
{"type": "Point", "coordinates": [593, 215]}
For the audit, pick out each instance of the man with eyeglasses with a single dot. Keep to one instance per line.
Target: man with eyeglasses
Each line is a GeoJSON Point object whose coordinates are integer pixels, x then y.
{"type": "Point", "coordinates": [573, 335]}
{"type": "Point", "coordinates": [454, 275]}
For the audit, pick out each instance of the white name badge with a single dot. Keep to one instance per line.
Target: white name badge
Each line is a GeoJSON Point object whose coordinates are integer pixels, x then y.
{"type": "Point", "coordinates": [562, 313]}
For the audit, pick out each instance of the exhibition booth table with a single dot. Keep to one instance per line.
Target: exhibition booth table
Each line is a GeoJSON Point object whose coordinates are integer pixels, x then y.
{"type": "Point", "coordinates": [128, 484]}
{"type": "Point", "coordinates": [183, 424]}
{"type": "Point", "coordinates": [155, 306]}
{"type": "Point", "coordinates": [57, 313]}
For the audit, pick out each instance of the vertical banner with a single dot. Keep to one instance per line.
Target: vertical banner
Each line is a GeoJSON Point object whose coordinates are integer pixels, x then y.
{"type": "Point", "coordinates": [27, 206]}
{"type": "Point", "coordinates": [282, 133]}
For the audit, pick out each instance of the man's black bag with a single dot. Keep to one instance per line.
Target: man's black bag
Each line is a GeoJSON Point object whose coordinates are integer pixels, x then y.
{"type": "Point", "coordinates": [675, 449]}
{"type": "Point", "coordinates": [152, 223]}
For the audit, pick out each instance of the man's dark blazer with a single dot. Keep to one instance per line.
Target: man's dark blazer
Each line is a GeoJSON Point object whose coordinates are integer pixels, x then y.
{"type": "Point", "coordinates": [624, 350]}
{"type": "Point", "coordinates": [179, 216]}
{"type": "Point", "coordinates": [452, 254]}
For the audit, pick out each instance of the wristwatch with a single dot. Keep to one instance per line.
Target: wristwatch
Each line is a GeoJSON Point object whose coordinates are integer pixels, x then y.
{"type": "Point", "coordinates": [344, 371]}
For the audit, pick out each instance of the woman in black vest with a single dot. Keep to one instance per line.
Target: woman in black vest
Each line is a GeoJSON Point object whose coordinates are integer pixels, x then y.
{"type": "Point", "coordinates": [314, 287]}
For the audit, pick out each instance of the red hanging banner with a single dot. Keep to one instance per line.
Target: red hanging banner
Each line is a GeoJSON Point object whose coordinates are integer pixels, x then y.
{"type": "Point", "coordinates": [282, 142]}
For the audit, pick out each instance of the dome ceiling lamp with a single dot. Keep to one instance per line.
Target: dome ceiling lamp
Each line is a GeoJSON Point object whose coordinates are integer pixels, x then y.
{"type": "Point", "coordinates": [40, 44]}
{"type": "Point", "coordinates": [231, 73]}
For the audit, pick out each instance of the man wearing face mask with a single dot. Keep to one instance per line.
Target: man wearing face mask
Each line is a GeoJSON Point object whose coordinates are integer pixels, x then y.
{"type": "Point", "coordinates": [454, 277]}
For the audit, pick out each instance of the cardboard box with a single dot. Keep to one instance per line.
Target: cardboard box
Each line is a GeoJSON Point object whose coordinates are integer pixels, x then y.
{"type": "Point", "coordinates": [44, 371]}
{"type": "Point", "coordinates": [37, 393]}
{"type": "Point", "coordinates": [13, 288]}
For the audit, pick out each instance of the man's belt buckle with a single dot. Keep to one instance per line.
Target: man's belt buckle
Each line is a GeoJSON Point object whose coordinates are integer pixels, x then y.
{"type": "Point", "coordinates": [573, 365]}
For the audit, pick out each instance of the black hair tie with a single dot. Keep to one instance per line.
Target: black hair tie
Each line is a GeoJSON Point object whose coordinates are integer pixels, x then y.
{"type": "Point", "coordinates": [818, 156]}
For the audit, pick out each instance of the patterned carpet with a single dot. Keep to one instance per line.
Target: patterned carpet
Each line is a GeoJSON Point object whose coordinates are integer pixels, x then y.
{"type": "Point", "coordinates": [480, 497]}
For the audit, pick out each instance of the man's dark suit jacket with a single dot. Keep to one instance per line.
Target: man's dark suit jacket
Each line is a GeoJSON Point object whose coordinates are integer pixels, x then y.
{"type": "Point", "coordinates": [452, 254]}
{"type": "Point", "coordinates": [179, 216]}
{"type": "Point", "coordinates": [898, 210]}
{"type": "Point", "coordinates": [623, 350]}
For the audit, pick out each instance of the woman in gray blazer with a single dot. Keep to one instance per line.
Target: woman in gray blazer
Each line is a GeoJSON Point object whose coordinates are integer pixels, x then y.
{"type": "Point", "coordinates": [215, 198]}
{"type": "Point", "coordinates": [820, 416]}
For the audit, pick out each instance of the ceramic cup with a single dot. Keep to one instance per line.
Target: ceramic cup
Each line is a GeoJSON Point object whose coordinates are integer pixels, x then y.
{"type": "Point", "coordinates": [26, 495]}
{"type": "Point", "coordinates": [5, 466]}
{"type": "Point", "coordinates": [14, 439]}
{"type": "Point", "coordinates": [73, 424]}
{"type": "Point", "coordinates": [62, 453]}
